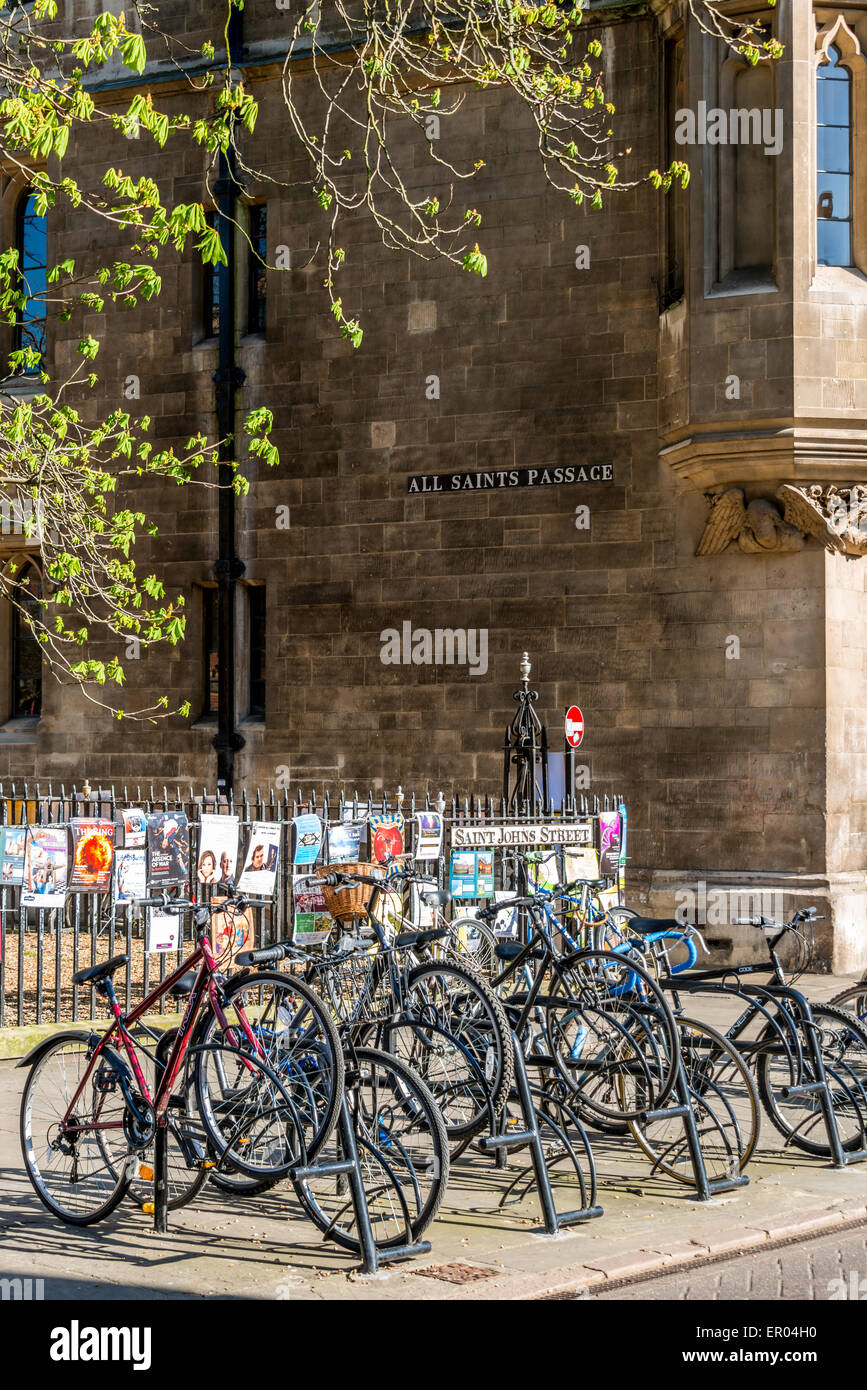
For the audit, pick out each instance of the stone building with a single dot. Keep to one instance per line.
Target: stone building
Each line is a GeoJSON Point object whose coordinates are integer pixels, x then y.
{"type": "Point", "coordinates": [710, 342]}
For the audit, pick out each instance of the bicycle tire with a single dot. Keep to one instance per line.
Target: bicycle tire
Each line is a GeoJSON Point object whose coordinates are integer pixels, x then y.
{"type": "Point", "coordinates": [634, 1023]}
{"type": "Point", "coordinates": [479, 1022]}
{"type": "Point", "coordinates": [316, 1055]}
{"type": "Point", "coordinates": [849, 1089]}
{"type": "Point", "coordinates": [725, 1103]}
{"type": "Point", "coordinates": [105, 1184]}
{"type": "Point", "coordinates": [384, 1157]}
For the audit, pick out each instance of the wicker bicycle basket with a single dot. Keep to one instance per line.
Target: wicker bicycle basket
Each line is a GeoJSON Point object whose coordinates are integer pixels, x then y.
{"type": "Point", "coordinates": [348, 902]}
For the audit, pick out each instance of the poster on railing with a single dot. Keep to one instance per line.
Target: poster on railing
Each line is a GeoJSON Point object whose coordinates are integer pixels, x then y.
{"type": "Point", "coordinates": [506, 923]}
{"type": "Point", "coordinates": [313, 922]}
{"type": "Point", "coordinates": [231, 932]}
{"type": "Point", "coordinates": [46, 866]}
{"type": "Point", "coordinates": [259, 874]}
{"type": "Point", "coordinates": [344, 842]}
{"type": "Point", "coordinates": [92, 855]}
{"type": "Point", "coordinates": [543, 871]}
{"type": "Point", "coordinates": [133, 828]}
{"type": "Point", "coordinates": [163, 930]}
{"type": "Point", "coordinates": [471, 873]}
{"type": "Point", "coordinates": [580, 864]}
{"type": "Point", "coordinates": [217, 860]}
{"type": "Point", "coordinates": [428, 835]}
{"type": "Point", "coordinates": [14, 843]}
{"type": "Point", "coordinates": [609, 842]}
{"type": "Point", "coordinates": [307, 832]}
{"type": "Point", "coordinates": [386, 836]}
{"type": "Point", "coordinates": [130, 871]}
{"type": "Point", "coordinates": [168, 847]}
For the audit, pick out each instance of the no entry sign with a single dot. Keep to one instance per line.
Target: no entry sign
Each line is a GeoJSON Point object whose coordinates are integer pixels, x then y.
{"type": "Point", "coordinates": [574, 726]}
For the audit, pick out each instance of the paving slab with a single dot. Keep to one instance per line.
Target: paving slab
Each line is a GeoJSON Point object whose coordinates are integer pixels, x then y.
{"type": "Point", "coordinates": [264, 1248]}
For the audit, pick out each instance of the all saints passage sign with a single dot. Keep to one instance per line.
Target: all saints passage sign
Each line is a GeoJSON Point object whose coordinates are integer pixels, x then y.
{"type": "Point", "coordinates": [511, 477]}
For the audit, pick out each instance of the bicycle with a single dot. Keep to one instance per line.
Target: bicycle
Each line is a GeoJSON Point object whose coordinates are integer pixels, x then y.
{"type": "Point", "coordinates": [400, 1137]}
{"type": "Point", "coordinates": [799, 1044]}
{"type": "Point", "coordinates": [439, 1016]}
{"type": "Point", "coordinates": [602, 1034]}
{"type": "Point", "coordinates": [87, 1114]}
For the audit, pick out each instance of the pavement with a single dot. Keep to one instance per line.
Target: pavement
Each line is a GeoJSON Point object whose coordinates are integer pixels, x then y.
{"type": "Point", "coordinates": [264, 1248]}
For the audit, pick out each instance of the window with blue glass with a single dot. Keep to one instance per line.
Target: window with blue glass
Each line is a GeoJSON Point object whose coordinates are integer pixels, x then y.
{"type": "Point", "coordinates": [834, 162]}
{"type": "Point", "coordinates": [31, 241]}
{"type": "Point", "coordinates": [211, 282]}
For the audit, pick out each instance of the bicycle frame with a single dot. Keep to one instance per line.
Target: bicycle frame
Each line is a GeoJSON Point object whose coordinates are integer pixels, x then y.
{"type": "Point", "coordinates": [205, 982]}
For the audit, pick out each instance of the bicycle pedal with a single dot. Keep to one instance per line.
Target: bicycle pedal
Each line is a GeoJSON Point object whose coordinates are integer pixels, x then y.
{"type": "Point", "coordinates": [146, 1173]}
{"type": "Point", "coordinates": [147, 1208]}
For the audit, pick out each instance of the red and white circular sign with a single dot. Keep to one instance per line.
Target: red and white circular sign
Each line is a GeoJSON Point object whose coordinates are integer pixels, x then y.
{"type": "Point", "coordinates": [574, 726]}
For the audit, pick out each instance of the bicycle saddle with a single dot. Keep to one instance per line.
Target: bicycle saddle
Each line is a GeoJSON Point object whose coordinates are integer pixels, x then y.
{"type": "Point", "coordinates": [508, 950]}
{"type": "Point", "coordinates": [643, 925]}
{"type": "Point", "coordinates": [92, 974]}
{"type": "Point", "coordinates": [420, 938]}
{"type": "Point", "coordinates": [184, 984]}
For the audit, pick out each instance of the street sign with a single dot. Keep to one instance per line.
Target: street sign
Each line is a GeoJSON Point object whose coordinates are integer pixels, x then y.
{"type": "Point", "coordinates": [574, 726]}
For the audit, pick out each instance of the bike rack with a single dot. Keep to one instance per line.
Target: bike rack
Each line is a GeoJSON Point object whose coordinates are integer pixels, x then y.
{"type": "Point", "coordinates": [350, 1165]}
{"type": "Point", "coordinates": [820, 1087]}
{"type": "Point", "coordinates": [705, 1187]}
{"type": "Point", "coordinates": [500, 1143]}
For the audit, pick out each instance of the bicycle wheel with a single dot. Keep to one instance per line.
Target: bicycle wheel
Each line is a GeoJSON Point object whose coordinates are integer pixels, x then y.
{"type": "Point", "coordinates": [725, 1104]}
{"type": "Point", "coordinates": [186, 1151]}
{"type": "Point", "coordinates": [474, 943]}
{"type": "Point", "coordinates": [293, 1034]}
{"type": "Point", "coordinates": [854, 999]}
{"type": "Point", "coordinates": [472, 1074]}
{"type": "Point", "coordinates": [403, 1152]}
{"type": "Point", "coordinates": [250, 1119]}
{"type": "Point", "coordinates": [611, 1034]}
{"type": "Point", "coordinates": [79, 1171]}
{"type": "Point", "coordinates": [800, 1118]}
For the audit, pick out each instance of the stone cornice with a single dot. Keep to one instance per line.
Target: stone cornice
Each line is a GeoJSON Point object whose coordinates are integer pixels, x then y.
{"type": "Point", "coordinates": [800, 453]}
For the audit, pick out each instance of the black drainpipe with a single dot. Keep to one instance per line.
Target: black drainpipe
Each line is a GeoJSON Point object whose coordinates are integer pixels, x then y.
{"type": "Point", "coordinates": [229, 567]}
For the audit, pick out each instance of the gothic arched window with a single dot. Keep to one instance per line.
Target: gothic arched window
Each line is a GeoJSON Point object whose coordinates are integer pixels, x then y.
{"type": "Point", "coordinates": [834, 162]}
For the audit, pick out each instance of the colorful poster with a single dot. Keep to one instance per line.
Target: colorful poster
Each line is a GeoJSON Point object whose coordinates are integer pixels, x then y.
{"type": "Point", "coordinates": [462, 873]}
{"type": "Point", "coordinates": [217, 858]}
{"type": "Point", "coordinates": [133, 827]}
{"type": "Point", "coordinates": [344, 842]}
{"type": "Point", "coordinates": [484, 873]}
{"type": "Point", "coordinates": [386, 836]}
{"type": "Point", "coordinates": [168, 847]}
{"type": "Point", "coordinates": [609, 843]}
{"type": "Point", "coordinates": [259, 875]}
{"type": "Point", "coordinates": [428, 835]}
{"type": "Point", "coordinates": [231, 932]}
{"type": "Point", "coordinates": [14, 842]}
{"type": "Point", "coordinates": [163, 930]}
{"type": "Point", "coordinates": [313, 922]}
{"type": "Point", "coordinates": [46, 864]}
{"type": "Point", "coordinates": [544, 871]}
{"type": "Point", "coordinates": [307, 834]}
{"type": "Point", "coordinates": [92, 855]}
{"type": "Point", "coordinates": [130, 875]}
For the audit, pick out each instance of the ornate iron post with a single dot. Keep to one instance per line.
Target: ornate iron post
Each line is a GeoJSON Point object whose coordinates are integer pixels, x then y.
{"type": "Point", "coordinates": [526, 750]}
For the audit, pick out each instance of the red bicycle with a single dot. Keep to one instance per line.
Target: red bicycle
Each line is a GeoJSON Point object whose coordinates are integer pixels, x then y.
{"type": "Point", "coordinates": [251, 1082]}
